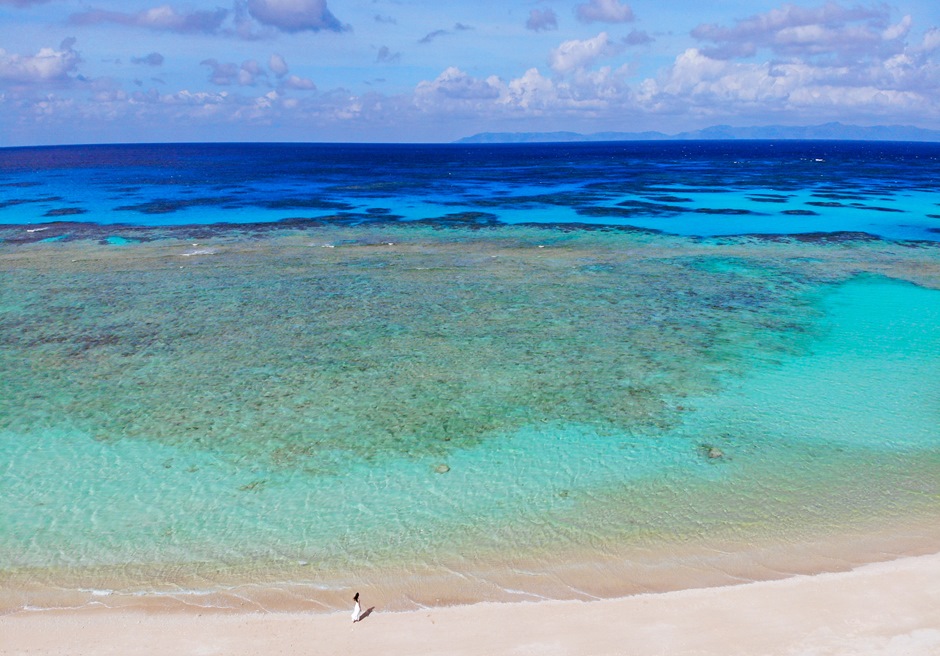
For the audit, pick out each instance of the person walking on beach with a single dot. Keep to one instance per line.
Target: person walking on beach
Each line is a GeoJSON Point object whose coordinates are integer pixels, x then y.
{"type": "Point", "coordinates": [357, 609]}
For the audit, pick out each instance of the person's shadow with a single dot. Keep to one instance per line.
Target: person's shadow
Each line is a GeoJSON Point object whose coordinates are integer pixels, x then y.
{"type": "Point", "coordinates": [366, 613]}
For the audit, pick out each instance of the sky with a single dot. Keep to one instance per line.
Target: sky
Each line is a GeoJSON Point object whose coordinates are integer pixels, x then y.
{"type": "Point", "coordinates": [107, 71]}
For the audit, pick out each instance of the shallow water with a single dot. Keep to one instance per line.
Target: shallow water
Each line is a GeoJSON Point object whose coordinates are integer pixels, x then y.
{"type": "Point", "coordinates": [512, 413]}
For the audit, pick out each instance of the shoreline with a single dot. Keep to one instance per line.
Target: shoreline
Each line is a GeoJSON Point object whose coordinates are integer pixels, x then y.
{"type": "Point", "coordinates": [881, 608]}
{"type": "Point", "coordinates": [567, 576]}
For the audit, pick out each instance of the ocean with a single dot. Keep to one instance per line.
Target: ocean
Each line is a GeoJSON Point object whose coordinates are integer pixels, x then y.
{"type": "Point", "coordinates": [258, 376]}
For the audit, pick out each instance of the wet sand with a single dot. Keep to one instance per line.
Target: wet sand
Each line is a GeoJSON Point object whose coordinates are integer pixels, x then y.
{"type": "Point", "coordinates": [883, 608]}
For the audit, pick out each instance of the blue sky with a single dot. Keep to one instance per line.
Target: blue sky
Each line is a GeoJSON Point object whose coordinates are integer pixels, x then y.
{"type": "Point", "coordinates": [82, 71]}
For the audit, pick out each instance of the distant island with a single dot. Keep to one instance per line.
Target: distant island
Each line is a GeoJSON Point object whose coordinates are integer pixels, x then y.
{"type": "Point", "coordinates": [826, 131]}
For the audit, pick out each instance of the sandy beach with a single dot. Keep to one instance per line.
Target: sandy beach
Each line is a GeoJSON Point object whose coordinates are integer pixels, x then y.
{"type": "Point", "coordinates": [890, 608]}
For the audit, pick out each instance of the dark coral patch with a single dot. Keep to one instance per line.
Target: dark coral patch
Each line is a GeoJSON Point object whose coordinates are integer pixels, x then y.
{"type": "Point", "coordinates": [826, 203]}
{"type": "Point", "coordinates": [305, 203]}
{"type": "Point", "coordinates": [22, 201]}
{"type": "Point", "coordinates": [670, 199]}
{"type": "Point", "coordinates": [766, 199]}
{"type": "Point", "coordinates": [468, 219]}
{"type": "Point", "coordinates": [642, 207]}
{"type": "Point", "coordinates": [838, 196]}
{"type": "Point", "coordinates": [820, 237]}
{"type": "Point", "coordinates": [14, 202]}
{"type": "Point", "coordinates": [876, 208]}
{"type": "Point", "coordinates": [727, 211]}
{"type": "Point", "coordinates": [66, 211]}
{"type": "Point", "coordinates": [168, 206]}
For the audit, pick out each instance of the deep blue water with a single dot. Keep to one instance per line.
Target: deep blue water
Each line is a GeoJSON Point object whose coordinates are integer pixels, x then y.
{"type": "Point", "coordinates": [701, 188]}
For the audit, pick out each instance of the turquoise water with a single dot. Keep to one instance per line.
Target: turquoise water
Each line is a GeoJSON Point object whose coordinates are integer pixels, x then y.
{"type": "Point", "coordinates": [362, 405]}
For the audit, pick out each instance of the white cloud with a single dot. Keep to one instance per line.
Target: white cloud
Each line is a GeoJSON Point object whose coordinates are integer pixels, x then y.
{"type": "Point", "coordinates": [823, 63]}
{"type": "Point", "coordinates": [250, 72]}
{"type": "Point", "coordinates": [808, 32]}
{"type": "Point", "coordinates": [532, 94]}
{"type": "Point", "coordinates": [221, 74]}
{"type": "Point", "coordinates": [531, 91]}
{"type": "Point", "coordinates": [298, 83]}
{"type": "Point", "coordinates": [187, 97]}
{"type": "Point", "coordinates": [163, 18]}
{"type": "Point", "coordinates": [703, 80]}
{"type": "Point", "coordinates": [542, 19]}
{"type": "Point", "coordinates": [47, 65]}
{"type": "Point", "coordinates": [931, 40]}
{"type": "Point", "coordinates": [573, 55]}
{"type": "Point", "coordinates": [898, 31]}
{"type": "Point", "coordinates": [295, 15]}
{"type": "Point", "coordinates": [278, 65]}
{"type": "Point", "coordinates": [455, 84]}
{"type": "Point", "coordinates": [225, 74]}
{"type": "Point", "coordinates": [701, 85]}
{"type": "Point", "coordinates": [604, 11]}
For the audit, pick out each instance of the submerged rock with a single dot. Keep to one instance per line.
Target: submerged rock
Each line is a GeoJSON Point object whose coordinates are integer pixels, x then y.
{"type": "Point", "coordinates": [442, 469]}
{"type": "Point", "coordinates": [711, 452]}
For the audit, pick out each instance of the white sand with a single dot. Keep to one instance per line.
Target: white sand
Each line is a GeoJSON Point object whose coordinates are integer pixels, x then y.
{"type": "Point", "coordinates": [885, 609]}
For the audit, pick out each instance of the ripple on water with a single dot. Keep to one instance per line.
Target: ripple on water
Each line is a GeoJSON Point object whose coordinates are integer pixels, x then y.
{"type": "Point", "coordinates": [406, 403]}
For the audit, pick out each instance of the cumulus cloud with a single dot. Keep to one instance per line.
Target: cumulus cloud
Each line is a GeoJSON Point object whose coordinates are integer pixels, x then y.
{"type": "Point", "coordinates": [931, 40]}
{"type": "Point", "coordinates": [637, 38]}
{"type": "Point", "coordinates": [825, 63]}
{"type": "Point", "coordinates": [807, 32]}
{"type": "Point", "coordinates": [897, 31]}
{"type": "Point", "coordinates": [187, 97]}
{"type": "Point", "coordinates": [295, 15]}
{"type": "Point", "coordinates": [699, 84]}
{"type": "Point", "coordinates": [532, 91]}
{"type": "Point", "coordinates": [47, 65]}
{"type": "Point", "coordinates": [454, 83]}
{"type": "Point", "coordinates": [153, 59]}
{"type": "Point", "coordinates": [298, 83]}
{"type": "Point", "coordinates": [575, 54]}
{"type": "Point", "coordinates": [604, 11]}
{"type": "Point", "coordinates": [163, 18]}
{"type": "Point", "coordinates": [226, 74]}
{"type": "Point", "coordinates": [542, 19]}
{"type": "Point", "coordinates": [278, 65]}
{"type": "Point", "coordinates": [250, 72]}
{"type": "Point", "coordinates": [221, 74]}
{"type": "Point", "coordinates": [586, 94]}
